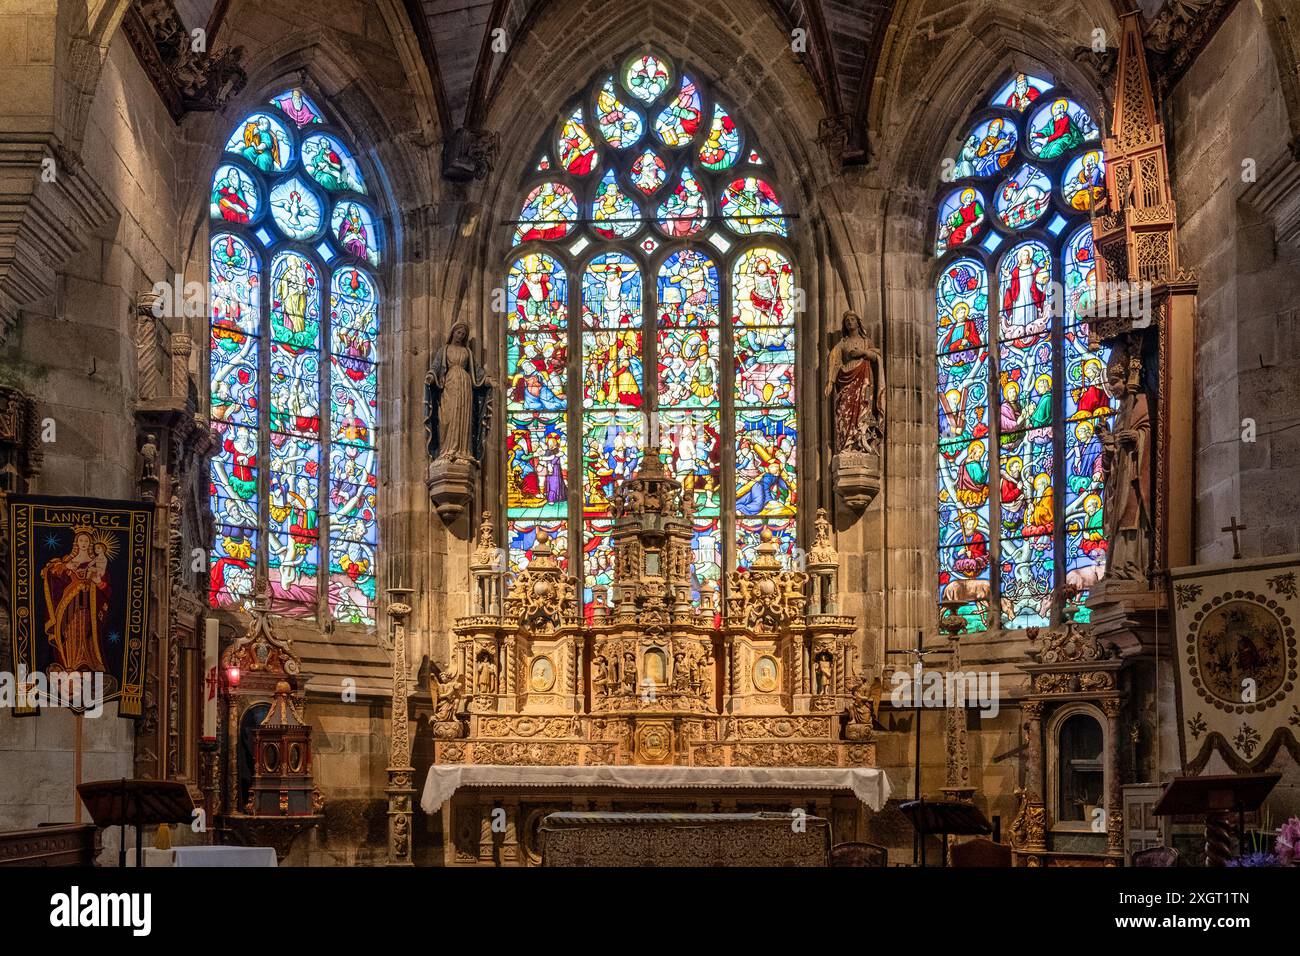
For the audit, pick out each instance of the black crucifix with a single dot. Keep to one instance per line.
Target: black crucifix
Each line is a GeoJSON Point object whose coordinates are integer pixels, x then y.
{"type": "Point", "coordinates": [1236, 530]}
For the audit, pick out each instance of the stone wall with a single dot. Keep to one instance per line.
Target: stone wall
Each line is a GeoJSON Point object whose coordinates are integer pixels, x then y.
{"type": "Point", "coordinates": [73, 353]}
{"type": "Point", "coordinates": [1228, 111]}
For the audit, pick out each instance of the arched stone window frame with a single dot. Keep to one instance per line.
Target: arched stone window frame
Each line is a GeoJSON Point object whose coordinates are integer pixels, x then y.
{"type": "Point", "coordinates": [342, 116]}
{"type": "Point", "coordinates": [978, 109]}
{"type": "Point", "coordinates": [503, 254]}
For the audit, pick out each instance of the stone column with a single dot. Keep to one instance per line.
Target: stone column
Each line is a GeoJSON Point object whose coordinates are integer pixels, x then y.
{"type": "Point", "coordinates": [181, 346]}
{"type": "Point", "coordinates": [146, 346]}
{"type": "Point", "coordinates": [401, 789]}
{"type": "Point", "coordinates": [957, 784]}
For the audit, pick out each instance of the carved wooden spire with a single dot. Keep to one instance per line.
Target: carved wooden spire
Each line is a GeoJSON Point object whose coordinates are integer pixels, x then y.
{"type": "Point", "coordinates": [1135, 229]}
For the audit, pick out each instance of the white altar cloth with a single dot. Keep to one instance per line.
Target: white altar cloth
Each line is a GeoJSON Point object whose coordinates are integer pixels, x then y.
{"type": "Point", "coordinates": [867, 784]}
{"type": "Point", "coordinates": [190, 856]}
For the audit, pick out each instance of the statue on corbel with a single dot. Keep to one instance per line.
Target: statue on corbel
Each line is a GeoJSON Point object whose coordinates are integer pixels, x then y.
{"type": "Point", "coordinates": [458, 413]}
{"type": "Point", "coordinates": [855, 384]}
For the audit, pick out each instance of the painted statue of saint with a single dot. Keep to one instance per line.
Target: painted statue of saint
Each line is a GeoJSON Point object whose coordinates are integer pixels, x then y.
{"type": "Point", "coordinates": [1126, 464]}
{"type": "Point", "coordinates": [855, 377]}
{"type": "Point", "coordinates": [458, 397]}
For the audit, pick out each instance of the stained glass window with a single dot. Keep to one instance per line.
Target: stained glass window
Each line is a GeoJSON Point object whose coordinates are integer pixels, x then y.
{"type": "Point", "coordinates": [1021, 394]}
{"type": "Point", "coordinates": [294, 328]}
{"type": "Point", "coordinates": [651, 309]}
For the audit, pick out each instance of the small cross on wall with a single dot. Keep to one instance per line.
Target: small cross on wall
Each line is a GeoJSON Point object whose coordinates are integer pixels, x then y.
{"type": "Point", "coordinates": [1235, 530]}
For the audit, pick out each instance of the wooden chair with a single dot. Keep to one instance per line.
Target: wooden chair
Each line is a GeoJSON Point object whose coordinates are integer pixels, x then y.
{"type": "Point", "coordinates": [981, 852]}
{"type": "Point", "coordinates": [859, 854]}
{"type": "Point", "coordinates": [1163, 856]}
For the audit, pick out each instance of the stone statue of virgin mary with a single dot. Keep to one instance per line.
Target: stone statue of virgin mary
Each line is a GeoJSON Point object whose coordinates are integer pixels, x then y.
{"type": "Point", "coordinates": [458, 400]}
{"type": "Point", "coordinates": [855, 382]}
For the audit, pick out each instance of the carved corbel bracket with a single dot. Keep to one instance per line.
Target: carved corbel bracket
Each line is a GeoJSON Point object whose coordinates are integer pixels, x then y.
{"type": "Point", "coordinates": [186, 76]}
{"type": "Point", "coordinates": [468, 154]}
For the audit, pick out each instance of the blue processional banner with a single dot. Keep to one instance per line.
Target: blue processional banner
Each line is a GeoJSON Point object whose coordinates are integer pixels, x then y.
{"type": "Point", "coordinates": [79, 606]}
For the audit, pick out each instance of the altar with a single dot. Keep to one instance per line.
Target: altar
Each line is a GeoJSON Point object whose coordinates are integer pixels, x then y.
{"type": "Point", "coordinates": [492, 814]}
{"type": "Point", "coordinates": [658, 699]}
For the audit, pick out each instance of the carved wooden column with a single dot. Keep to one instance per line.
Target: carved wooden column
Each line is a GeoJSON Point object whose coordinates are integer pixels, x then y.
{"type": "Point", "coordinates": [1029, 830]}
{"type": "Point", "coordinates": [1144, 310]}
{"type": "Point", "coordinates": [1111, 707]}
{"type": "Point", "coordinates": [401, 789]}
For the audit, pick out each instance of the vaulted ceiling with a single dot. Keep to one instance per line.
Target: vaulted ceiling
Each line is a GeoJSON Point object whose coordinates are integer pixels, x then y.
{"type": "Point", "coordinates": [841, 38]}
{"type": "Point", "coordinates": [467, 45]}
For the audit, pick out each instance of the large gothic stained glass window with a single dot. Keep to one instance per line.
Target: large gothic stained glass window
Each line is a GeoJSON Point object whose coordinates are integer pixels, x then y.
{"type": "Point", "coordinates": [650, 301]}
{"type": "Point", "coordinates": [1021, 397]}
{"type": "Point", "coordinates": [293, 340]}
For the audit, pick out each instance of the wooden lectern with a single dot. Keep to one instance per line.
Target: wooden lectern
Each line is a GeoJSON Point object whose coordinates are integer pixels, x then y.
{"type": "Point", "coordinates": [136, 803]}
{"type": "Point", "coordinates": [945, 818]}
{"type": "Point", "coordinates": [1214, 797]}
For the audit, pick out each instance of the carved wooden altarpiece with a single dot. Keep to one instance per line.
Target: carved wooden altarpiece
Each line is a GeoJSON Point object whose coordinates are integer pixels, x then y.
{"type": "Point", "coordinates": [652, 678]}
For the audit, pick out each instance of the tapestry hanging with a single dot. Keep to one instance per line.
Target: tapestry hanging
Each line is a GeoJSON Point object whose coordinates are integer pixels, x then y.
{"type": "Point", "coordinates": [1235, 642]}
{"type": "Point", "coordinates": [80, 592]}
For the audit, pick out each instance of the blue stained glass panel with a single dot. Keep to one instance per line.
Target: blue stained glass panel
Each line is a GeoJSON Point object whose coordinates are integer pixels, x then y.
{"type": "Point", "coordinates": [329, 163]}
{"type": "Point", "coordinates": [296, 210]}
{"type": "Point", "coordinates": [353, 228]}
{"type": "Point", "coordinates": [235, 281]}
{"type": "Point", "coordinates": [549, 212]}
{"type": "Point", "coordinates": [1028, 577]}
{"type": "Point", "coordinates": [611, 292]}
{"type": "Point", "coordinates": [987, 149]}
{"type": "Point", "coordinates": [964, 396]}
{"type": "Point", "coordinates": [537, 293]}
{"type": "Point", "coordinates": [233, 359]}
{"type": "Point", "coordinates": [690, 444]}
{"type": "Point", "coordinates": [295, 301]}
{"type": "Point", "coordinates": [688, 290]}
{"type": "Point", "coordinates": [962, 216]}
{"type": "Point", "coordinates": [536, 365]}
{"type": "Point", "coordinates": [679, 120]}
{"type": "Point", "coordinates": [620, 124]}
{"type": "Point", "coordinates": [296, 105]}
{"type": "Point", "coordinates": [962, 298]}
{"type": "Point", "coordinates": [1059, 127]}
{"type": "Point", "coordinates": [234, 195]}
{"type": "Point", "coordinates": [721, 147]}
{"type": "Point", "coordinates": [1020, 92]}
{"type": "Point", "coordinates": [1023, 197]}
{"type": "Point", "coordinates": [264, 142]}
{"type": "Point", "coordinates": [766, 483]}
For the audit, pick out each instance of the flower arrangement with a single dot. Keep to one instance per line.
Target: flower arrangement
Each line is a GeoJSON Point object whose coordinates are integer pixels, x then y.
{"type": "Point", "coordinates": [1284, 852]}
{"type": "Point", "coordinates": [1287, 845]}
